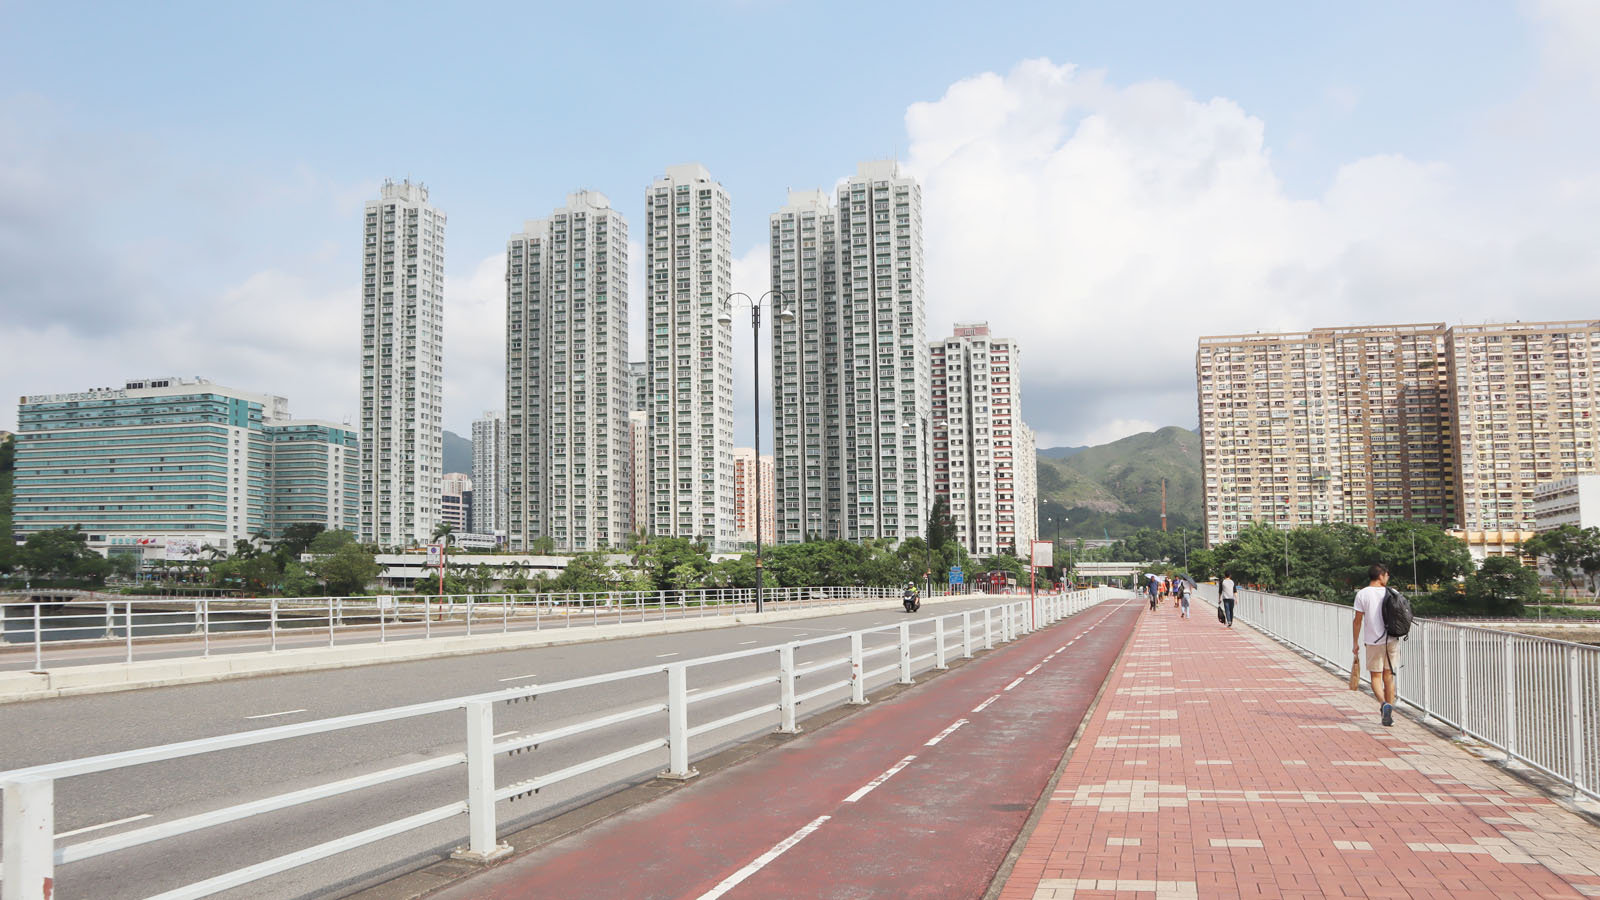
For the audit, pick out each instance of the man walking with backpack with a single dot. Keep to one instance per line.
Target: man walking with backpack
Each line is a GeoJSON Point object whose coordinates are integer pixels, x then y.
{"type": "Point", "coordinates": [1378, 640]}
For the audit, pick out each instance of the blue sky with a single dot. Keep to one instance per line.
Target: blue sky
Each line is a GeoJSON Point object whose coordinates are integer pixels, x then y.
{"type": "Point", "coordinates": [180, 184]}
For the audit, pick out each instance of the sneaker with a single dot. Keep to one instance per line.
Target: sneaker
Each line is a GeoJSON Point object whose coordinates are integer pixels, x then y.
{"type": "Point", "coordinates": [1388, 714]}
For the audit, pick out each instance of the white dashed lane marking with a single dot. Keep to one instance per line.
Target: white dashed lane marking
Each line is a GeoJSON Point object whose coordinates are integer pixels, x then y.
{"type": "Point", "coordinates": [759, 862]}
{"type": "Point", "coordinates": [945, 733]}
{"type": "Point", "coordinates": [869, 786]}
{"type": "Point", "coordinates": [985, 704]}
{"type": "Point", "coordinates": [1013, 684]}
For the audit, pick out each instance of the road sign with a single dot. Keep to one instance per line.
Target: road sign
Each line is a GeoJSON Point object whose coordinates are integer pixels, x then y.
{"type": "Point", "coordinates": [955, 576]}
{"type": "Point", "coordinates": [435, 555]}
{"type": "Point", "coordinates": [1043, 553]}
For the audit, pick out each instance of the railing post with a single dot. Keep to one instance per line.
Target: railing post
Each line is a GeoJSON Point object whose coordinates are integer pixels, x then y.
{"type": "Point", "coordinates": [331, 602]}
{"type": "Point", "coordinates": [469, 615]}
{"type": "Point", "coordinates": [38, 637]}
{"type": "Point", "coordinates": [966, 634]}
{"type": "Point", "coordinates": [29, 841]}
{"type": "Point", "coordinates": [1574, 700]}
{"type": "Point", "coordinates": [938, 643]}
{"type": "Point", "coordinates": [111, 621]}
{"type": "Point", "coordinates": [1427, 673]}
{"type": "Point", "coordinates": [272, 625]}
{"type": "Point", "coordinates": [127, 626]}
{"type": "Point", "coordinates": [905, 653]}
{"type": "Point", "coordinates": [1461, 680]}
{"type": "Point", "coordinates": [481, 843]}
{"type": "Point", "coordinates": [858, 687]}
{"type": "Point", "coordinates": [988, 628]}
{"type": "Point", "coordinates": [205, 627]}
{"type": "Point", "coordinates": [1511, 697]}
{"type": "Point", "coordinates": [678, 723]}
{"type": "Point", "coordinates": [786, 704]}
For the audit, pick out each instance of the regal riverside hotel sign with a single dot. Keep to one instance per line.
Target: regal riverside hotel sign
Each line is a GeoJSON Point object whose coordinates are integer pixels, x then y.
{"type": "Point", "coordinates": [105, 394]}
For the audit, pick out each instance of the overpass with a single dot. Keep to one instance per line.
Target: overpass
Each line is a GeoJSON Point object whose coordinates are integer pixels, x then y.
{"type": "Point", "coordinates": [1110, 569]}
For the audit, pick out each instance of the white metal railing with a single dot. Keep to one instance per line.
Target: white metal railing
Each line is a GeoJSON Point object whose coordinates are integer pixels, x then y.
{"type": "Point", "coordinates": [31, 853]}
{"type": "Point", "coordinates": [35, 634]}
{"type": "Point", "coordinates": [1535, 699]}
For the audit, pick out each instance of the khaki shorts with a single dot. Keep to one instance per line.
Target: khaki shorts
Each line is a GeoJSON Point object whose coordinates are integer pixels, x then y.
{"type": "Point", "coordinates": [1383, 656]}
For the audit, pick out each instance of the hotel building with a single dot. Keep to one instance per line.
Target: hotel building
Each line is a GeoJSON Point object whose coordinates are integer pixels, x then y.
{"type": "Point", "coordinates": [166, 466]}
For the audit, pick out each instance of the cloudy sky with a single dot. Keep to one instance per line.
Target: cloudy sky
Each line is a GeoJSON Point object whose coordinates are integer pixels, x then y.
{"type": "Point", "coordinates": [181, 184]}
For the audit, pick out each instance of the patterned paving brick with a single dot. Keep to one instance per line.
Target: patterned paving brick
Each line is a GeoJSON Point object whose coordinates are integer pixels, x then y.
{"type": "Point", "coordinates": [1255, 774]}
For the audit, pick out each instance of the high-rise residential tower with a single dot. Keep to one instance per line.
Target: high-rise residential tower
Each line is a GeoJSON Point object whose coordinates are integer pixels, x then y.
{"type": "Point", "coordinates": [639, 378]}
{"type": "Point", "coordinates": [490, 503]}
{"type": "Point", "coordinates": [568, 394]}
{"type": "Point", "coordinates": [1363, 425]}
{"type": "Point", "coordinates": [983, 454]}
{"type": "Point", "coordinates": [748, 478]}
{"type": "Point", "coordinates": [851, 373]}
{"type": "Point", "coordinates": [688, 243]}
{"type": "Point", "coordinates": [402, 366]}
{"type": "Point", "coordinates": [1524, 410]}
{"type": "Point", "coordinates": [807, 378]}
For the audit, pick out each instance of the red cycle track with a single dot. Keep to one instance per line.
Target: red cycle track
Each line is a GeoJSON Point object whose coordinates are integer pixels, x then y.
{"type": "Point", "coordinates": [921, 796]}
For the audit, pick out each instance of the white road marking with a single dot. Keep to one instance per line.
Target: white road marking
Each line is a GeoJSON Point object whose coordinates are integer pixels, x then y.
{"type": "Point", "coordinates": [695, 690]}
{"type": "Point", "coordinates": [985, 704]}
{"type": "Point", "coordinates": [742, 643]}
{"type": "Point", "coordinates": [287, 712]}
{"type": "Point", "coordinates": [756, 864]}
{"type": "Point", "coordinates": [1013, 684]}
{"type": "Point", "coordinates": [505, 733]}
{"type": "Point", "coordinates": [1061, 648]}
{"type": "Point", "coordinates": [67, 834]}
{"type": "Point", "coordinates": [945, 733]}
{"type": "Point", "coordinates": [664, 655]}
{"type": "Point", "coordinates": [516, 678]}
{"type": "Point", "coordinates": [868, 787]}
{"type": "Point", "coordinates": [1033, 670]}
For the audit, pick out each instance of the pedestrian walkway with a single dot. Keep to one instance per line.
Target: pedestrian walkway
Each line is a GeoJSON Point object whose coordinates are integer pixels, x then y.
{"type": "Point", "coordinates": [1220, 764]}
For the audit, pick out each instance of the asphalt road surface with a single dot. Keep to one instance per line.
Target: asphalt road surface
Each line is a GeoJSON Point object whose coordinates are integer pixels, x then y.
{"type": "Point", "coordinates": [94, 806]}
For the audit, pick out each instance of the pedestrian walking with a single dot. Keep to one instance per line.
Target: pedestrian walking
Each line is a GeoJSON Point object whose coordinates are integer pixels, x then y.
{"type": "Point", "coordinates": [1370, 640]}
{"type": "Point", "coordinates": [1154, 588]}
{"type": "Point", "coordinates": [1185, 588]}
{"type": "Point", "coordinates": [1228, 595]}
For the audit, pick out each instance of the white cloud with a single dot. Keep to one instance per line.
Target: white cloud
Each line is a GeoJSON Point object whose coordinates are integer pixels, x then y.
{"type": "Point", "coordinates": [1572, 38]}
{"type": "Point", "coordinates": [474, 343]}
{"type": "Point", "coordinates": [1108, 226]}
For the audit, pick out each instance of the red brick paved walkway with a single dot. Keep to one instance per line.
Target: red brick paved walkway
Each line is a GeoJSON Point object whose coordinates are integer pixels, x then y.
{"type": "Point", "coordinates": [1219, 764]}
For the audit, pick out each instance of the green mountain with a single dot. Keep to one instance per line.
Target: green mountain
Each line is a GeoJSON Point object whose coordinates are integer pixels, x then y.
{"type": "Point", "coordinates": [1115, 488]}
{"type": "Point", "coordinates": [458, 454]}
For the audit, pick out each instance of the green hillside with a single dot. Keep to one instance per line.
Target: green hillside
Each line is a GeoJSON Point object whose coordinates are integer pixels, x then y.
{"type": "Point", "coordinates": [1115, 488]}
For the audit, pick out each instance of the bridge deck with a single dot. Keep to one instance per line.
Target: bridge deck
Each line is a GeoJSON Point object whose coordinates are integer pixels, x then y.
{"type": "Point", "coordinates": [1219, 764]}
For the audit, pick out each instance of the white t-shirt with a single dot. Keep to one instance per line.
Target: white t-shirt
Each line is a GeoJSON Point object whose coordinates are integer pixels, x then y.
{"type": "Point", "coordinates": [1227, 589]}
{"type": "Point", "coordinates": [1369, 601]}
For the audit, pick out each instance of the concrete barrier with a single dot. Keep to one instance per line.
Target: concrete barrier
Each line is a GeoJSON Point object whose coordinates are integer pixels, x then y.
{"type": "Point", "coordinates": [104, 678]}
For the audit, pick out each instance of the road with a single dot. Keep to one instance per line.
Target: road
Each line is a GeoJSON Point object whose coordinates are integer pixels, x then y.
{"type": "Point", "coordinates": [107, 803]}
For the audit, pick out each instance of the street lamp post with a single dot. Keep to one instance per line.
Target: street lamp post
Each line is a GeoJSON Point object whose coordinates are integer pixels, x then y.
{"type": "Point", "coordinates": [726, 318]}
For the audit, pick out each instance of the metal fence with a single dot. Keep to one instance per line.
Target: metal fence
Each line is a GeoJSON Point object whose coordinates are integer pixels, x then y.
{"type": "Point", "coordinates": [31, 851]}
{"type": "Point", "coordinates": [1534, 698]}
{"type": "Point", "coordinates": [39, 633]}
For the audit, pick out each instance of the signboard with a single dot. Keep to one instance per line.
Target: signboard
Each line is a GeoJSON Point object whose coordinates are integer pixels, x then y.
{"type": "Point", "coordinates": [956, 576]}
{"type": "Point", "coordinates": [1043, 554]}
{"type": "Point", "coordinates": [183, 548]}
{"type": "Point", "coordinates": [435, 555]}
{"type": "Point", "coordinates": [385, 602]}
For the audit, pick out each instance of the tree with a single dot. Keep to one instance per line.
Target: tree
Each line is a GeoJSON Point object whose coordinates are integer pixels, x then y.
{"type": "Point", "coordinates": [256, 573]}
{"type": "Point", "coordinates": [1439, 558]}
{"type": "Point", "coordinates": [58, 551]}
{"type": "Point", "coordinates": [297, 539]}
{"type": "Point", "coordinates": [1502, 586]}
{"type": "Point", "coordinates": [297, 582]}
{"type": "Point", "coordinates": [330, 541]}
{"type": "Point", "coordinates": [543, 546]}
{"type": "Point", "coordinates": [1563, 549]}
{"type": "Point", "coordinates": [663, 557]}
{"type": "Point", "coordinates": [939, 531]}
{"type": "Point", "coordinates": [348, 570]}
{"type": "Point", "coordinates": [585, 572]}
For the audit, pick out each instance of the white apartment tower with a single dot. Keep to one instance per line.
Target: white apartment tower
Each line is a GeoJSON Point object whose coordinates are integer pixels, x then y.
{"type": "Point", "coordinates": [567, 387]}
{"type": "Point", "coordinates": [983, 454]}
{"type": "Point", "coordinates": [402, 366]}
{"type": "Point", "coordinates": [883, 353]}
{"type": "Point", "coordinates": [850, 374]}
{"type": "Point", "coordinates": [490, 501]}
{"type": "Point", "coordinates": [807, 376]}
{"type": "Point", "coordinates": [688, 245]}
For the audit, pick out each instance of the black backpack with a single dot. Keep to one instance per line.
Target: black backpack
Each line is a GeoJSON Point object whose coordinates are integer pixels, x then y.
{"type": "Point", "coordinates": [1396, 614]}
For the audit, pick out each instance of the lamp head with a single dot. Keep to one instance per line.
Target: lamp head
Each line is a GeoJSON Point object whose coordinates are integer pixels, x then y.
{"type": "Point", "coordinates": [725, 318]}
{"type": "Point", "coordinates": [786, 316]}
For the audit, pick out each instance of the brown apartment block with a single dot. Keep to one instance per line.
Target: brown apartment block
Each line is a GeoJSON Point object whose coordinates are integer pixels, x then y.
{"type": "Point", "coordinates": [1448, 426]}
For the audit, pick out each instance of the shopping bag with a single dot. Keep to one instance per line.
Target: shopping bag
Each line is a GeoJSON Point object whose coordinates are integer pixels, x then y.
{"type": "Point", "coordinates": [1221, 615]}
{"type": "Point", "coordinates": [1355, 673]}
